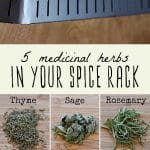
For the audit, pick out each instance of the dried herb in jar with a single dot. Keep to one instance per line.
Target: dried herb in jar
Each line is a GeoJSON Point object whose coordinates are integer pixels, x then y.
{"type": "Point", "coordinates": [20, 128]}
{"type": "Point", "coordinates": [75, 128]}
{"type": "Point", "coordinates": [126, 128]}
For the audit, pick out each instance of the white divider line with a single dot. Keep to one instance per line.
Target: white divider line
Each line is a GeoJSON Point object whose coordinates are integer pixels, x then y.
{"type": "Point", "coordinates": [50, 108]}
{"type": "Point", "coordinates": [99, 121]}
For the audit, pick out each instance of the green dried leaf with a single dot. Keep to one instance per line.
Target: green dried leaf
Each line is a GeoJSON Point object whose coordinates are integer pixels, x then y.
{"type": "Point", "coordinates": [126, 128]}
{"type": "Point", "coordinates": [75, 128]}
{"type": "Point", "coordinates": [20, 128]}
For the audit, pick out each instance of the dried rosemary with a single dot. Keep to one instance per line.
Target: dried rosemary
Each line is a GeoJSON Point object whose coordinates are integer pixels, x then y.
{"type": "Point", "coordinates": [20, 128]}
{"type": "Point", "coordinates": [126, 128]}
{"type": "Point", "coordinates": [75, 128]}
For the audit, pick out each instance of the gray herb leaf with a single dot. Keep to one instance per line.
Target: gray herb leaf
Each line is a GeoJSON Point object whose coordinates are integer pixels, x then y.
{"type": "Point", "coordinates": [75, 128]}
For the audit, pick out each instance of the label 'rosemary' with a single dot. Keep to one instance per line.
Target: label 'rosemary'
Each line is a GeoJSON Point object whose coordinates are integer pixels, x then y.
{"type": "Point", "coordinates": [75, 128]}
{"type": "Point", "coordinates": [126, 128]}
{"type": "Point", "coordinates": [20, 128]}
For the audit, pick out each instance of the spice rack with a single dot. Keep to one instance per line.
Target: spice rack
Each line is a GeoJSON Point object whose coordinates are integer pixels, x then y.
{"type": "Point", "coordinates": [38, 11]}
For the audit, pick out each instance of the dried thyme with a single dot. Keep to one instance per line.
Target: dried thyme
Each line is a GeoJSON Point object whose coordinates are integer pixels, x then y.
{"type": "Point", "coordinates": [126, 128]}
{"type": "Point", "coordinates": [20, 128]}
{"type": "Point", "coordinates": [75, 128]}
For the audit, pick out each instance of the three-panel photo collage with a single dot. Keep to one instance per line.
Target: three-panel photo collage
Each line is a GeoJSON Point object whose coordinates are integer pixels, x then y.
{"type": "Point", "coordinates": [73, 122]}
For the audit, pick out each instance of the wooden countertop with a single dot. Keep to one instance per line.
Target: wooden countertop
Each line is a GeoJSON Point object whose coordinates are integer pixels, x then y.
{"type": "Point", "coordinates": [42, 103]}
{"type": "Point", "coordinates": [59, 109]}
{"type": "Point", "coordinates": [110, 110]}
{"type": "Point", "coordinates": [130, 29]}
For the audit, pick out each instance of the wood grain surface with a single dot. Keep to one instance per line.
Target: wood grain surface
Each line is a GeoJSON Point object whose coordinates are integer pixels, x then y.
{"type": "Point", "coordinates": [110, 110]}
{"type": "Point", "coordinates": [7, 106]}
{"type": "Point", "coordinates": [59, 109]}
{"type": "Point", "coordinates": [130, 29]}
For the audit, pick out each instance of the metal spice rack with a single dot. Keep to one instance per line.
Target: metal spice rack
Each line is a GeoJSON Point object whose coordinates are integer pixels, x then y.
{"type": "Point", "coordinates": [38, 11]}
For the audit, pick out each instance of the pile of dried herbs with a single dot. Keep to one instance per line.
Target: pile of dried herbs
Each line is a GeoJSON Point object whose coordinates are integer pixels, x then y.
{"type": "Point", "coordinates": [126, 128]}
{"type": "Point", "coordinates": [20, 128]}
{"type": "Point", "coordinates": [75, 128]}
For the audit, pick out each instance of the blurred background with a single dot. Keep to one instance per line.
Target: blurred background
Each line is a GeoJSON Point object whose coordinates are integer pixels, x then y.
{"type": "Point", "coordinates": [129, 29]}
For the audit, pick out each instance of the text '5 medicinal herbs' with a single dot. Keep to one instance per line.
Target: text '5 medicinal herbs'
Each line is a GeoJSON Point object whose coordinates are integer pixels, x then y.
{"type": "Point", "coordinates": [21, 128]}
{"type": "Point", "coordinates": [74, 129]}
{"type": "Point", "coordinates": [126, 128]}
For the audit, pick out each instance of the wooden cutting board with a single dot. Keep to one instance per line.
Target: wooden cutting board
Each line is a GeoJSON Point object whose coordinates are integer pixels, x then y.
{"type": "Point", "coordinates": [42, 103]}
{"type": "Point", "coordinates": [110, 110]}
{"type": "Point", "coordinates": [59, 109]}
{"type": "Point", "coordinates": [130, 29]}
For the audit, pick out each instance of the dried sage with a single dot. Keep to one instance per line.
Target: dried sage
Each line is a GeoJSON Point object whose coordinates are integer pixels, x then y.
{"type": "Point", "coordinates": [20, 128]}
{"type": "Point", "coordinates": [75, 128]}
{"type": "Point", "coordinates": [126, 128]}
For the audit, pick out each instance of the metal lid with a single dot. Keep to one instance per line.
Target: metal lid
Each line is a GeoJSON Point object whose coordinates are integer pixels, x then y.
{"type": "Point", "coordinates": [37, 11]}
